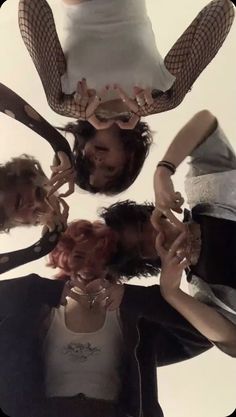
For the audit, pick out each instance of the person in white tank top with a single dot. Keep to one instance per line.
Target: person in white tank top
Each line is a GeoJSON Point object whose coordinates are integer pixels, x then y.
{"type": "Point", "coordinates": [111, 44]}
{"type": "Point", "coordinates": [169, 249]}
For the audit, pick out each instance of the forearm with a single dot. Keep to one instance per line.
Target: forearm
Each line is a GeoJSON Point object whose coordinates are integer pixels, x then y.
{"type": "Point", "coordinates": [205, 319]}
{"type": "Point", "coordinates": [190, 136]}
{"type": "Point", "coordinates": [39, 34]}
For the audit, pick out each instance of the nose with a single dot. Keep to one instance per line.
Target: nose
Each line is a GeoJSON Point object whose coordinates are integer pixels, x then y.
{"type": "Point", "coordinates": [98, 161]}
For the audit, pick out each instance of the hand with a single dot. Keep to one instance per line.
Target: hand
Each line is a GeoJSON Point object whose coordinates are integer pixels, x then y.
{"type": "Point", "coordinates": [58, 215]}
{"type": "Point", "coordinates": [173, 263]}
{"type": "Point", "coordinates": [109, 295]}
{"type": "Point", "coordinates": [62, 173]}
{"type": "Point", "coordinates": [166, 199]}
{"type": "Point", "coordinates": [142, 99]}
{"type": "Point", "coordinates": [88, 101]}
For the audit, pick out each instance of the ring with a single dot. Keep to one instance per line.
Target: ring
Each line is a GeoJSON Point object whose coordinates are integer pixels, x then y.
{"type": "Point", "coordinates": [178, 257]}
{"type": "Point", "coordinates": [140, 101]}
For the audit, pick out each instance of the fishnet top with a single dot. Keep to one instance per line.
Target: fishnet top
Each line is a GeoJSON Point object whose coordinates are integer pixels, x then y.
{"type": "Point", "coordinates": [192, 52]}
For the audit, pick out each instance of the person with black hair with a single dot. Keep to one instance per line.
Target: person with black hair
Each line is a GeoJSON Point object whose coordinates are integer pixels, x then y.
{"type": "Point", "coordinates": [104, 165]}
{"type": "Point", "coordinates": [110, 53]}
{"type": "Point", "coordinates": [210, 228]}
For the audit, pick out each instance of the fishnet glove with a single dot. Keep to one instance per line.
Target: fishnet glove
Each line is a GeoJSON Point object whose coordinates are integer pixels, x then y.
{"type": "Point", "coordinates": [39, 34]}
{"type": "Point", "coordinates": [192, 52]}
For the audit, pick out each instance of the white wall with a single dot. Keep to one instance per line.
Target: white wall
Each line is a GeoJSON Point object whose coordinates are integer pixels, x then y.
{"type": "Point", "coordinates": [204, 386]}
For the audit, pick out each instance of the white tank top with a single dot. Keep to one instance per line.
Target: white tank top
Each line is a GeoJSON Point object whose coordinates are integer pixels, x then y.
{"type": "Point", "coordinates": [87, 363]}
{"type": "Point", "coordinates": [111, 41]}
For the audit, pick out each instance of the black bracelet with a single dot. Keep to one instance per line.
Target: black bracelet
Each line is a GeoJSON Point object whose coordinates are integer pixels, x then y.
{"type": "Point", "coordinates": [168, 165]}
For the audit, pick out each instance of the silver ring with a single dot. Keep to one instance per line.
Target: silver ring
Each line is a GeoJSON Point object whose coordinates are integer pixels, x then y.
{"type": "Point", "coordinates": [178, 257]}
{"type": "Point", "coordinates": [140, 101]}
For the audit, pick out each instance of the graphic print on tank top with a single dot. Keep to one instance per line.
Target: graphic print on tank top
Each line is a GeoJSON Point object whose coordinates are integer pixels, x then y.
{"type": "Point", "coordinates": [80, 352]}
{"type": "Point", "coordinates": [87, 363]}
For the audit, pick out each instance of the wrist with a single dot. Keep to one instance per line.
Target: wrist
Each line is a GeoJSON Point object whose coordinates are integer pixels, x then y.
{"type": "Point", "coordinates": [163, 171]}
{"type": "Point", "coordinates": [171, 294]}
{"type": "Point", "coordinates": [169, 166]}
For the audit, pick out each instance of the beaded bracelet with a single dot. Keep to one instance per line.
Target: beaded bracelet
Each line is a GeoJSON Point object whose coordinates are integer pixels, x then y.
{"type": "Point", "coordinates": [168, 165]}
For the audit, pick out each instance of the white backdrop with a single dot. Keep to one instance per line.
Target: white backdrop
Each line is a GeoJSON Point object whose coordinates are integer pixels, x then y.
{"type": "Point", "coordinates": [201, 387]}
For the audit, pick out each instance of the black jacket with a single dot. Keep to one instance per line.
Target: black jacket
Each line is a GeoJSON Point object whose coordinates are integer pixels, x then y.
{"type": "Point", "coordinates": [154, 333]}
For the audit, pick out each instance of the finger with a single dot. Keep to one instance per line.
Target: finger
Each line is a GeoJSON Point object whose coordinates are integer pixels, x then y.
{"type": "Point", "coordinates": [162, 252]}
{"type": "Point", "coordinates": [128, 101]}
{"type": "Point", "coordinates": [137, 90]}
{"type": "Point", "coordinates": [64, 163]}
{"type": "Point", "coordinates": [91, 92]}
{"type": "Point", "coordinates": [173, 219]}
{"type": "Point", "coordinates": [92, 106]}
{"type": "Point", "coordinates": [179, 198]}
{"type": "Point", "coordinates": [184, 264]}
{"type": "Point", "coordinates": [98, 124]}
{"type": "Point", "coordinates": [177, 243]}
{"type": "Point", "coordinates": [56, 187]}
{"type": "Point", "coordinates": [84, 87]}
{"type": "Point", "coordinates": [155, 218]}
{"type": "Point", "coordinates": [148, 96]}
{"type": "Point", "coordinates": [70, 191]}
{"type": "Point", "coordinates": [61, 175]}
{"type": "Point", "coordinates": [78, 88]}
{"type": "Point", "coordinates": [130, 124]}
{"type": "Point", "coordinates": [65, 207]}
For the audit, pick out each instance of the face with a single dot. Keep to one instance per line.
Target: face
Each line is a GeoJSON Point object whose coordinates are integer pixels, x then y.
{"type": "Point", "coordinates": [90, 256]}
{"type": "Point", "coordinates": [141, 238]}
{"type": "Point", "coordinates": [106, 155]}
{"type": "Point", "coordinates": [23, 203]}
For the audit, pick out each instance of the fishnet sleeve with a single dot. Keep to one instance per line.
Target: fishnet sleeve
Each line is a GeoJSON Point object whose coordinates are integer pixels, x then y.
{"type": "Point", "coordinates": [193, 51]}
{"type": "Point", "coordinates": [39, 34]}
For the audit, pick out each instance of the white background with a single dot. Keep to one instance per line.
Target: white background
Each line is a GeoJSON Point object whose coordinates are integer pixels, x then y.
{"type": "Point", "coordinates": [201, 387]}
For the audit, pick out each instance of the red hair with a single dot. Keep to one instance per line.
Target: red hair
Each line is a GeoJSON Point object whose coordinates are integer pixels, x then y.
{"type": "Point", "coordinates": [78, 232]}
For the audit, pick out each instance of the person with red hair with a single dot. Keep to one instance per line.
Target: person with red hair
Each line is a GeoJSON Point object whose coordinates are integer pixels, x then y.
{"type": "Point", "coordinates": [80, 245]}
{"type": "Point", "coordinates": [87, 345]}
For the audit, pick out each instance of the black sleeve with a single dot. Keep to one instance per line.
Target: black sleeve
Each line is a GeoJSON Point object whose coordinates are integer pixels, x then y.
{"type": "Point", "coordinates": [149, 304]}
{"type": "Point", "coordinates": [14, 106]}
{"type": "Point", "coordinates": [42, 247]}
{"type": "Point", "coordinates": [20, 294]}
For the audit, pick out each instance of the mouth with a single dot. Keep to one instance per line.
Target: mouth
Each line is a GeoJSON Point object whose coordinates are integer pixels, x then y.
{"type": "Point", "coordinates": [86, 278]}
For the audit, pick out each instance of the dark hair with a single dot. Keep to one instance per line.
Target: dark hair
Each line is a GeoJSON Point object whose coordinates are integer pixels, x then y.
{"type": "Point", "coordinates": [136, 141]}
{"type": "Point", "coordinates": [118, 216]}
